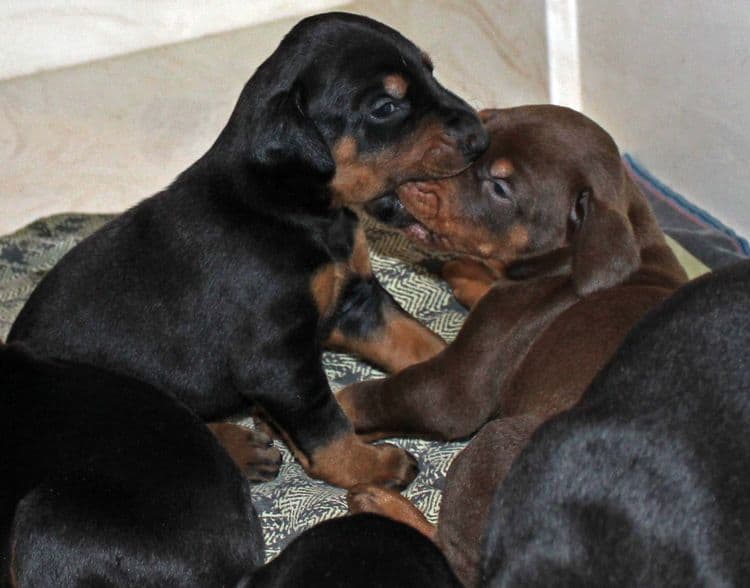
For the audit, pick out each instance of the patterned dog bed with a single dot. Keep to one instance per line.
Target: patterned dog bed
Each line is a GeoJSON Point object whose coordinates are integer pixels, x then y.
{"type": "Point", "coordinates": [293, 502]}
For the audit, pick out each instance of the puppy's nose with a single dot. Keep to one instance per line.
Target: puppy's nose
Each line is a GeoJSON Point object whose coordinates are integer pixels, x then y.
{"type": "Point", "coordinates": [470, 134]}
{"type": "Point", "coordinates": [475, 144]}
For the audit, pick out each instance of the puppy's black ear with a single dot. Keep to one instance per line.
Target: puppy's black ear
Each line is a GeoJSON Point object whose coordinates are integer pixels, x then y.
{"type": "Point", "coordinates": [605, 251]}
{"type": "Point", "coordinates": [283, 139]}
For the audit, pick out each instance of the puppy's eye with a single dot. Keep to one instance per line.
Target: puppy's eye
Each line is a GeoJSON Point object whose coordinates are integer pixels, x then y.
{"type": "Point", "coordinates": [500, 189]}
{"type": "Point", "coordinates": [384, 108]}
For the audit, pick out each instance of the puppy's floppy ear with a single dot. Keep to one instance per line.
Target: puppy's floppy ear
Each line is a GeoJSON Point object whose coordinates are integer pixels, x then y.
{"type": "Point", "coordinates": [284, 139]}
{"type": "Point", "coordinates": [605, 251]}
{"type": "Point", "coordinates": [491, 118]}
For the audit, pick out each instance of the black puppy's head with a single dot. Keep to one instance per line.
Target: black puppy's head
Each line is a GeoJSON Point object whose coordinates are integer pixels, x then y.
{"type": "Point", "coordinates": [351, 103]}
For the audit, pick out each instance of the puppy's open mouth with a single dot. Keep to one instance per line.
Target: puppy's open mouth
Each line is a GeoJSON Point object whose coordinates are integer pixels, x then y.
{"type": "Point", "coordinates": [390, 210]}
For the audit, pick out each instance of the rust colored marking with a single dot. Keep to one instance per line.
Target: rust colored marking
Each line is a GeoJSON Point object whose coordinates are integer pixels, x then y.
{"type": "Point", "coordinates": [356, 180]}
{"type": "Point", "coordinates": [347, 461]}
{"type": "Point", "coordinates": [388, 503]}
{"type": "Point", "coordinates": [326, 286]}
{"type": "Point", "coordinates": [518, 237]}
{"type": "Point", "coordinates": [502, 168]}
{"type": "Point", "coordinates": [360, 260]}
{"type": "Point", "coordinates": [427, 152]}
{"type": "Point", "coordinates": [395, 85]}
{"type": "Point", "coordinates": [399, 343]}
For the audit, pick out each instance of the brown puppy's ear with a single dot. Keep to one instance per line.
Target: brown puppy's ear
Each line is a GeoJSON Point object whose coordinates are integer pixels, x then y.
{"type": "Point", "coordinates": [284, 140]}
{"type": "Point", "coordinates": [605, 251]}
{"type": "Point", "coordinates": [490, 117]}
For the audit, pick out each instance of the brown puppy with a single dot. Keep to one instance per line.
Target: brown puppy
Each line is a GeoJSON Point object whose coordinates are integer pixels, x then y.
{"type": "Point", "coordinates": [551, 206]}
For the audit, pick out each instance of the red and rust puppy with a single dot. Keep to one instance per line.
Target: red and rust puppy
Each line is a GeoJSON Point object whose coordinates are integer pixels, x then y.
{"type": "Point", "coordinates": [550, 205]}
{"type": "Point", "coordinates": [224, 288]}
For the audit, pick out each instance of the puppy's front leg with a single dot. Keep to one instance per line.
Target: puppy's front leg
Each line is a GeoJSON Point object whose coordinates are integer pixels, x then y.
{"type": "Point", "coordinates": [367, 320]}
{"type": "Point", "coordinates": [294, 396]}
{"type": "Point", "coordinates": [371, 324]}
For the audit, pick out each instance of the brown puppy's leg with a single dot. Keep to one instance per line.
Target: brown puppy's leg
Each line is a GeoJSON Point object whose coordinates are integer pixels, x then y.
{"type": "Point", "coordinates": [471, 483]}
{"type": "Point", "coordinates": [387, 503]}
{"type": "Point", "coordinates": [453, 394]}
{"type": "Point", "coordinates": [252, 451]}
{"type": "Point", "coordinates": [469, 279]}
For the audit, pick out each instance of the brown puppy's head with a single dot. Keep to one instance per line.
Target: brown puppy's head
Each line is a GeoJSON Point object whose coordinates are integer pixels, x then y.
{"type": "Point", "coordinates": [550, 181]}
{"type": "Point", "coordinates": [351, 104]}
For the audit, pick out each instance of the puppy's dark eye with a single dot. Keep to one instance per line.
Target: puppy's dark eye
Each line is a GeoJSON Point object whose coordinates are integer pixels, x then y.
{"type": "Point", "coordinates": [500, 189]}
{"type": "Point", "coordinates": [384, 108]}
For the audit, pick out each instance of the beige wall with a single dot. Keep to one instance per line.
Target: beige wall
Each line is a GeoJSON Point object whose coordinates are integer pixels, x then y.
{"type": "Point", "coordinates": [671, 80]}
{"type": "Point", "coordinates": [491, 52]}
{"type": "Point", "coordinates": [40, 35]}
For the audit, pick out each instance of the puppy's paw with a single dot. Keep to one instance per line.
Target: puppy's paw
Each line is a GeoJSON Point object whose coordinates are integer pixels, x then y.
{"type": "Point", "coordinates": [398, 467]}
{"type": "Point", "coordinates": [252, 451]}
{"type": "Point", "coordinates": [348, 461]}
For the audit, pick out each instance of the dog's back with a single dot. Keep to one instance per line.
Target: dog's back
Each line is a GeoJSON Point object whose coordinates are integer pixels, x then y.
{"type": "Point", "coordinates": [107, 481]}
{"type": "Point", "coordinates": [645, 482]}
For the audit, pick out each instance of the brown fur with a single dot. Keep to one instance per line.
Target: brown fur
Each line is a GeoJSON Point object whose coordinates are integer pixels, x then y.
{"type": "Point", "coordinates": [252, 451]}
{"type": "Point", "coordinates": [399, 343]}
{"type": "Point", "coordinates": [595, 261]}
{"type": "Point", "coordinates": [348, 461]}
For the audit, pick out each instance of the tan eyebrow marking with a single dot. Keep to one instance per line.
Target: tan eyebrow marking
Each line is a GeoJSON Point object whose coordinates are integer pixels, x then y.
{"type": "Point", "coordinates": [427, 61]}
{"type": "Point", "coordinates": [501, 168]}
{"type": "Point", "coordinates": [395, 85]}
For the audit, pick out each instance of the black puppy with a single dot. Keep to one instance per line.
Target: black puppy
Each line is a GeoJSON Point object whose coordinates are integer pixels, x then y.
{"type": "Point", "coordinates": [645, 482]}
{"type": "Point", "coordinates": [362, 551]}
{"type": "Point", "coordinates": [224, 288]}
{"type": "Point", "coordinates": [108, 482]}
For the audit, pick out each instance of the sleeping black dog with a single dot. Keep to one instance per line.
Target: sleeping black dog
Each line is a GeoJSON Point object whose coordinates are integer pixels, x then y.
{"type": "Point", "coordinates": [645, 482]}
{"type": "Point", "coordinates": [223, 289]}
{"type": "Point", "coordinates": [107, 481]}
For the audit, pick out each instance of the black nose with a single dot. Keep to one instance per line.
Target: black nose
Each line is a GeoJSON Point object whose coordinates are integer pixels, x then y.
{"type": "Point", "coordinates": [470, 134]}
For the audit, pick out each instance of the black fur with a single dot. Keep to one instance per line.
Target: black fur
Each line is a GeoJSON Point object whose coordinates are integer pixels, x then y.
{"type": "Point", "coordinates": [645, 482]}
{"type": "Point", "coordinates": [108, 482]}
{"type": "Point", "coordinates": [366, 551]}
{"type": "Point", "coordinates": [203, 290]}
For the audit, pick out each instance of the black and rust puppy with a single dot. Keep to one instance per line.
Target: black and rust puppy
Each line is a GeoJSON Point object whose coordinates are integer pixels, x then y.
{"type": "Point", "coordinates": [107, 481]}
{"type": "Point", "coordinates": [224, 288]}
{"type": "Point", "coordinates": [645, 482]}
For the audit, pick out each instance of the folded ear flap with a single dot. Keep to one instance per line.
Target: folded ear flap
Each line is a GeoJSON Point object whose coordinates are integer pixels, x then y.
{"type": "Point", "coordinates": [605, 251]}
{"type": "Point", "coordinates": [285, 139]}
